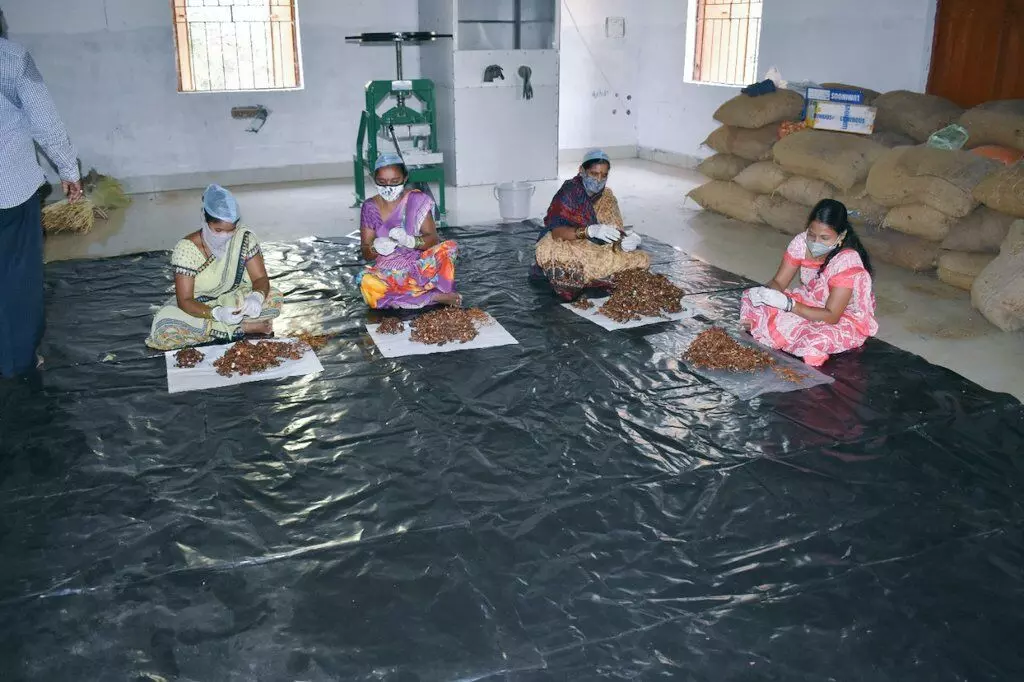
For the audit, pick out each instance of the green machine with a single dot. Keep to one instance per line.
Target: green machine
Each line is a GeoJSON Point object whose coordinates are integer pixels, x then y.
{"type": "Point", "coordinates": [409, 127]}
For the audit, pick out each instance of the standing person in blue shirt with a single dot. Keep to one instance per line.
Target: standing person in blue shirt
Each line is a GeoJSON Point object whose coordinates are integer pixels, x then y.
{"type": "Point", "coordinates": [27, 115]}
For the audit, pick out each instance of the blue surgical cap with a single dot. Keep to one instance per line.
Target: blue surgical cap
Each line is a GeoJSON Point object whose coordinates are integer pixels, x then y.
{"type": "Point", "coordinates": [220, 204]}
{"type": "Point", "coordinates": [596, 155]}
{"type": "Point", "coordinates": [388, 159]}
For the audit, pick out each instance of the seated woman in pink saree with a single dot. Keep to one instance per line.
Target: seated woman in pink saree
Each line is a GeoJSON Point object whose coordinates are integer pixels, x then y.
{"type": "Point", "coordinates": [410, 266]}
{"type": "Point", "coordinates": [833, 310]}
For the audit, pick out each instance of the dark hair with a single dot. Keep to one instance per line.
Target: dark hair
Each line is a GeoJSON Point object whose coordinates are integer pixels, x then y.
{"type": "Point", "coordinates": [211, 219]}
{"type": "Point", "coordinates": [834, 214]}
{"type": "Point", "coordinates": [400, 166]}
{"type": "Point", "coordinates": [587, 165]}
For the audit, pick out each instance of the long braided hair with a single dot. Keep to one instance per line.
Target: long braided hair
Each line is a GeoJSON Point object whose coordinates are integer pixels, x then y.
{"type": "Point", "coordinates": [834, 214]}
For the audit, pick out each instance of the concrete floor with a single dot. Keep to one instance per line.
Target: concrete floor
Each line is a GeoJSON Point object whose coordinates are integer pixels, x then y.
{"type": "Point", "coordinates": [916, 312]}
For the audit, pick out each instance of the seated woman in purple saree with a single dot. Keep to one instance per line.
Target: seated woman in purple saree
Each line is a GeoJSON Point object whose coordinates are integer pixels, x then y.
{"type": "Point", "coordinates": [411, 267]}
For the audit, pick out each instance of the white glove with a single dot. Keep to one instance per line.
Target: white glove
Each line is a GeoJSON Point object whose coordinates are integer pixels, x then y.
{"type": "Point", "coordinates": [403, 238]}
{"type": "Point", "coordinates": [631, 241]}
{"type": "Point", "coordinates": [227, 316]}
{"type": "Point", "coordinates": [384, 246]}
{"type": "Point", "coordinates": [604, 233]}
{"type": "Point", "coordinates": [756, 296]}
{"type": "Point", "coordinates": [252, 304]}
{"type": "Point", "coordinates": [775, 299]}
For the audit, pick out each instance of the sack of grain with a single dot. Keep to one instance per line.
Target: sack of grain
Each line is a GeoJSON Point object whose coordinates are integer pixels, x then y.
{"type": "Point", "coordinates": [806, 191]}
{"type": "Point", "coordinates": [862, 209]}
{"type": "Point", "coordinates": [763, 177]}
{"type": "Point", "coordinates": [980, 232]}
{"type": "Point", "coordinates": [869, 95]}
{"type": "Point", "coordinates": [840, 159]}
{"type": "Point", "coordinates": [1004, 190]}
{"type": "Point", "coordinates": [756, 112]}
{"type": "Point", "coordinates": [960, 269]}
{"type": "Point", "coordinates": [722, 166]}
{"type": "Point", "coordinates": [727, 198]}
{"type": "Point", "coordinates": [914, 114]}
{"type": "Point", "coordinates": [890, 139]}
{"type": "Point", "coordinates": [919, 220]}
{"type": "Point", "coordinates": [998, 292]}
{"type": "Point", "coordinates": [998, 123]}
{"type": "Point", "coordinates": [751, 144]}
{"type": "Point", "coordinates": [901, 250]}
{"type": "Point", "coordinates": [782, 214]}
{"type": "Point", "coordinates": [944, 180]}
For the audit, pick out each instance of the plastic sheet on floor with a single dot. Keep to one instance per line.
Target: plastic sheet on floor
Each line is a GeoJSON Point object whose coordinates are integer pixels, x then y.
{"type": "Point", "coordinates": [567, 508]}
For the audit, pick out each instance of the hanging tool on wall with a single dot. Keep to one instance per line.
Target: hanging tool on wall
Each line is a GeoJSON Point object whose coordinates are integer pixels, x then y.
{"type": "Point", "coordinates": [526, 72]}
{"type": "Point", "coordinates": [492, 73]}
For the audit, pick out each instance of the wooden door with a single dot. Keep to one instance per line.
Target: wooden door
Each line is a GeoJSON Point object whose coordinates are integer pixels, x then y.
{"type": "Point", "coordinates": [978, 52]}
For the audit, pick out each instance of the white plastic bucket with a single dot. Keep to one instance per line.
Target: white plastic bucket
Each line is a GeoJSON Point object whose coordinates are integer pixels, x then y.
{"type": "Point", "coordinates": [514, 200]}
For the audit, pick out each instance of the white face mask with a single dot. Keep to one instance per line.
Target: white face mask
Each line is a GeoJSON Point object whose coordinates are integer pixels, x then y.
{"type": "Point", "coordinates": [216, 242]}
{"type": "Point", "coordinates": [390, 192]}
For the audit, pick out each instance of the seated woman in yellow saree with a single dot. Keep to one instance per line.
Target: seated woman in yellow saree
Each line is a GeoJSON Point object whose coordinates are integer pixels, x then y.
{"type": "Point", "coordinates": [222, 291]}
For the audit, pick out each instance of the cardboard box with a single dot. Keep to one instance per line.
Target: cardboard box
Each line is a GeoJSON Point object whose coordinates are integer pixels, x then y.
{"type": "Point", "coordinates": [835, 95]}
{"type": "Point", "coordinates": [845, 118]}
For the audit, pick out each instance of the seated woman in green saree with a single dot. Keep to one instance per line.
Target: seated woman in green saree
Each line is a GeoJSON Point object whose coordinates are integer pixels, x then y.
{"type": "Point", "coordinates": [222, 291]}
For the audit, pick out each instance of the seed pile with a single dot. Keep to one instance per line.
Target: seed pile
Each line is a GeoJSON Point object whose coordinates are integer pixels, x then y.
{"type": "Point", "coordinates": [448, 325]}
{"type": "Point", "coordinates": [715, 349]}
{"type": "Point", "coordinates": [314, 341]}
{"type": "Point", "coordinates": [391, 326]}
{"type": "Point", "coordinates": [790, 374]}
{"type": "Point", "coordinates": [583, 303]}
{"type": "Point", "coordinates": [248, 357]}
{"type": "Point", "coordinates": [641, 293]}
{"type": "Point", "coordinates": [187, 358]}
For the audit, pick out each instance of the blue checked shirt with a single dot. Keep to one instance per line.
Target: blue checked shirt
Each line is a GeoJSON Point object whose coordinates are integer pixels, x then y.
{"type": "Point", "coordinates": [27, 113]}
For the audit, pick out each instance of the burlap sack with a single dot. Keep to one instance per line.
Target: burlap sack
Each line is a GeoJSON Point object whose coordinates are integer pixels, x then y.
{"type": "Point", "coordinates": [899, 249]}
{"type": "Point", "coordinates": [919, 220]}
{"type": "Point", "coordinates": [782, 214]}
{"type": "Point", "coordinates": [869, 95]}
{"type": "Point", "coordinates": [727, 198]}
{"type": "Point", "coordinates": [751, 144]}
{"type": "Point", "coordinates": [998, 292]}
{"type": "Point", "coordinates": [1014, 242]}
{"type": "Point", "coordinates": [1004, 190]}
{"type": "Point", "coordinates": [980, 232]}
{"type": "Point", "coordinates": [806, 191]}
{"type": "Point", "coordinates": [999, 123]}
{"type": "Point", "coordinates": [839, 159]}
{"type": "Point", "coordinates": [722, 166]}
{"type": "Point", "coordinates": [944, 180]}
{"type": "Point", "coordinates": [890, 139]}
{"type": "Point", "coordinates": [960, 269]}
{"type": "Point", "coordinates": [862, 209]}
{"type": "Point", "coordinates": [763, 177]}
{"type": "Point", "coordinates": [756, 112]}
{"type": "Point", "coordinates": [914, 114]}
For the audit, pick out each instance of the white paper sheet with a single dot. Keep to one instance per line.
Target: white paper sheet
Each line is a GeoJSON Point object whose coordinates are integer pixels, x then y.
{"type": "Point", "coordinates": [203, 376]}
{"type": "Point", "coordinates": [689, 311]}
{"type": "Point", "coordinates": [400, 345]}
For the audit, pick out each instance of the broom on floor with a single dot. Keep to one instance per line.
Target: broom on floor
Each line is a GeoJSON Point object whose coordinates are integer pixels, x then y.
{"type": "Point", "coordinates": [102, 195]}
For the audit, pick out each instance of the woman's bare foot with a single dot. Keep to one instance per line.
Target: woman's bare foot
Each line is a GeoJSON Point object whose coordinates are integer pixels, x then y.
{"type": "Point", "coordinates": [257, 327]}
{"type": "Point", "coordinates": [454, 300]}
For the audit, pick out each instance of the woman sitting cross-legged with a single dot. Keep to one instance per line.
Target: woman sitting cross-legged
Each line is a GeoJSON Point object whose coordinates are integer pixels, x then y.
{"type": "Point", "coordinates": [833, 309]}
{"type": "Point", "coordinates": [222, 291]}
{"type": "Point", "coordinates": [410, 266]}
{"type": "Point", "coordinates": [583, 244]}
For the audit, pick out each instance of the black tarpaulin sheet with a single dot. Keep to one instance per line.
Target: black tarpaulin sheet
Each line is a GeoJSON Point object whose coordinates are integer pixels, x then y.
{"type": "Point", "coordinates": [565, 509]}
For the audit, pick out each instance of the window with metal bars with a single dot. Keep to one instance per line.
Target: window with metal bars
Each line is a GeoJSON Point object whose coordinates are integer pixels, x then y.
{"type": "Point", "coordinates": [234, 45]}
{"type": "Point", "coordinates": [726, 41]}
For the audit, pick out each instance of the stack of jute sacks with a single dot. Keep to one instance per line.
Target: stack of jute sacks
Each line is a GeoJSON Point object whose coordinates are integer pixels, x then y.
{"type": "Point", "coordinates": [741, 169]}
{"type": "Point", "coordinates": [951, 209]}
{"type": "Point", "coordinates": [759, 178]}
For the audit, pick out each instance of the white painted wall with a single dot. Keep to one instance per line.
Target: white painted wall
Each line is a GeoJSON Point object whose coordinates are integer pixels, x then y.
{"type": "Point", "coordinates": [598, 74]}
{"type": "Point", "coordinates": [880, 44]}
{"type": "Point", "coordinates": [110, 66]}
